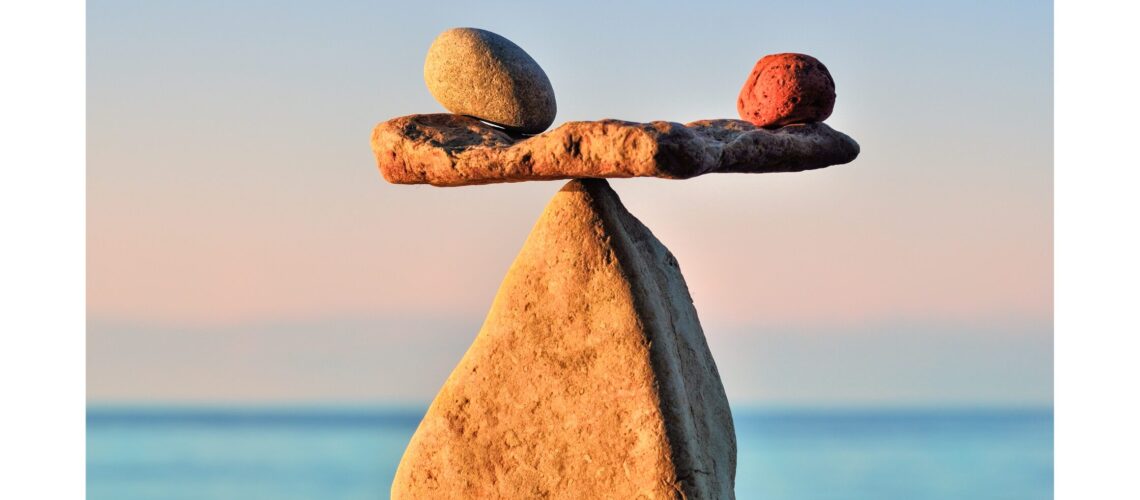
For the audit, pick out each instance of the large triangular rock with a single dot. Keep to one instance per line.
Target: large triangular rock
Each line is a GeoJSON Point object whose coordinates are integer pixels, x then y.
{"type": "Point", "coordinates": [590, 378]}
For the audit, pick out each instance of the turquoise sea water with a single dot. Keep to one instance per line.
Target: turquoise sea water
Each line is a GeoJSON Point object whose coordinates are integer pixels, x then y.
{"type": "Point", "coordinates": [334, 453]}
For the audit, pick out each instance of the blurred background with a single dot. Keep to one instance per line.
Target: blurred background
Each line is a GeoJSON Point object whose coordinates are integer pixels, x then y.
{"type": "Point", "coordinates": [268, 318]}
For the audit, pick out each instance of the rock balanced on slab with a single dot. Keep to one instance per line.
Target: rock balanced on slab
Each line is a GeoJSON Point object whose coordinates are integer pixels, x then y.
{"type": "Point", "coordinates": [786, 89]}
{"type": "Point", "coordinates": [590, 378]}
{"type": "Point", "coordinates": [478, 73]}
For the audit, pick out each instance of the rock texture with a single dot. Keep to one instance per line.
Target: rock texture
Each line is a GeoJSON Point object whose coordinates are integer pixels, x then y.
{"type": "Point", "coordinates": [478, 73]}
{"type": "Point", "coordinates": [453, 150]}
{"type": "Point", "coordinates": [590, 378]}
{"type": "Point", "coordinates": [784, 89]}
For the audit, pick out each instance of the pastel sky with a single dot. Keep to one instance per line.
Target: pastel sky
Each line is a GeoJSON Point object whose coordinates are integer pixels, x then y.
{"type": "Point", "coordinates": [243, 248]}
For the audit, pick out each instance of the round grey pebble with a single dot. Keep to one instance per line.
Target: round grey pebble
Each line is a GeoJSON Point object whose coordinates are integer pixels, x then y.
{"type": "Point", "coordinates": [478, 73]}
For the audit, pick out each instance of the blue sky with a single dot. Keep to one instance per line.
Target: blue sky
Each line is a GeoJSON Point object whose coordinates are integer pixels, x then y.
{"type": "Point", "coordinates": [242, 247]}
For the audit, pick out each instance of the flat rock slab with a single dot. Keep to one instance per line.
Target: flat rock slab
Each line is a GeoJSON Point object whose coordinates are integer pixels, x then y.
{"type": "Point", "coordinates": [457, 150]}
{"type": "Point", "coordinates": [590, 378]}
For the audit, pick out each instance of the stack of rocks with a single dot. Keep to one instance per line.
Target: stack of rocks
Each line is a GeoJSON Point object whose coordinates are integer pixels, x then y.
{"type": "Point", "coordinates": [591, 376]}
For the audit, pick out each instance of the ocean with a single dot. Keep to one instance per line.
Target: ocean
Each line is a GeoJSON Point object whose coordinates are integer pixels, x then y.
{"type": "Point", "coordinates": [352, 453]}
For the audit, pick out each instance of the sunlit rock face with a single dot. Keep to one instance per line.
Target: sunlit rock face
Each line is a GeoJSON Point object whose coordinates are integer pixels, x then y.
{"type": "Point", "coordinates": [590, 377]}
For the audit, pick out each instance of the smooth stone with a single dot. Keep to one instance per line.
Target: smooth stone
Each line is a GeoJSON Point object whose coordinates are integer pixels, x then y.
{"type": "Point", "coordinates": [454, 150]}
{"type": "Point", "coordinates": [785, 89]}
{"type": "Point", "coordinates": [478, 73]}
{"type": "Point", "coordinates": [590, 378]}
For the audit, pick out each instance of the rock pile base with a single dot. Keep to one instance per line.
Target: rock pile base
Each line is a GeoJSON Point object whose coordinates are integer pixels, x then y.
{"type": "Point", "coordinates": [590, 377]}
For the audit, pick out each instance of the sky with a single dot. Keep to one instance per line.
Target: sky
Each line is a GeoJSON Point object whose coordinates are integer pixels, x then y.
{"type": "Point", "coordinates": [243, 249]}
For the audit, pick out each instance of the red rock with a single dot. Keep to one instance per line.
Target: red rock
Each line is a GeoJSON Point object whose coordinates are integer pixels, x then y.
{"type": "Point", "coordinates": [786, 88]}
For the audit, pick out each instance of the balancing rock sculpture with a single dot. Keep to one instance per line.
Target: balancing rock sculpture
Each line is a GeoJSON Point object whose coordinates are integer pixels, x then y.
{"type": "Point", "coordinates": [591, 376]}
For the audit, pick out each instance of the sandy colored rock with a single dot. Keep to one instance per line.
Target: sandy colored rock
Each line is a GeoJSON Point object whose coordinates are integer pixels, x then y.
{"type": "Point", "coordinates": [453, 150]}
{"type": "Point", "coordinates": [475, 72]}
{"type": "Point", "coordinates": [590, 377]}
{"type": "Point", "coordinates": [785, 89]}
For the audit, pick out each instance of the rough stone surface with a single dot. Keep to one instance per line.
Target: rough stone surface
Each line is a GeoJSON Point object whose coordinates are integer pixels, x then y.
{"type": "Point", "coordinates": [453, 150]}
{"type": "Point", "coordinates": [481, 74]}
{"type": "Point", "coordinates": [590, 378]}
{"type": "Point", "coordinates": [787, 88]}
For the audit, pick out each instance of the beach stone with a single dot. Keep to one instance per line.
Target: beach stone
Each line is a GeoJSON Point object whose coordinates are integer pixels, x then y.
{"type": "Point", "coordinates": [453, 150]}
{"type": "Point", "coordinates": [478, 73]}
{"type": "Point", "coordinates": [590, 378]}
{"type": "Point", "coordinates": [784, 89]}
